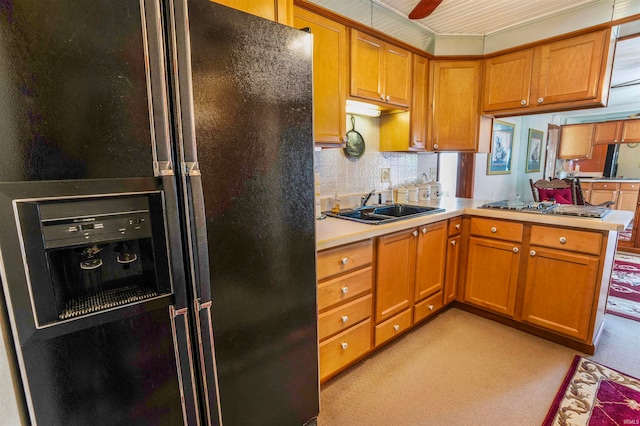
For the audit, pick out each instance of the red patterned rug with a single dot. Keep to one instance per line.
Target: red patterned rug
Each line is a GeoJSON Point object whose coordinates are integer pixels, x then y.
{"type": "Point", "coordinates": [592, 394]}
{"type": "Point", "coordinates": [624, 291]}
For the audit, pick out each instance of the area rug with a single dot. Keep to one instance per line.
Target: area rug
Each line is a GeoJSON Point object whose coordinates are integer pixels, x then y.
{"type": "Point", "coordinates": [624, 291]}
{"type": "Point", "coordinates": [592, 394]}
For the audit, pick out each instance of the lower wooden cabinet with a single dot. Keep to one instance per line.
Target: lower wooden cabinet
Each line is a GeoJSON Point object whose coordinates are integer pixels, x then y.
{"type": "Point", "coordinates": [345, 304]}
{"type": "Point", "coordinates": [393, 327]}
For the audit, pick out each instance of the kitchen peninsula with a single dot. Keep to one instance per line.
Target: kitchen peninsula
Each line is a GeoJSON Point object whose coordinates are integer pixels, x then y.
{"type": "Point", "coordinates": [544, 274]}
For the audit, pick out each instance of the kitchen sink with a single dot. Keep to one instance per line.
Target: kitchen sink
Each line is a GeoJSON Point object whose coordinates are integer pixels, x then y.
{"type": "Point", "coordinates": [376, 215]}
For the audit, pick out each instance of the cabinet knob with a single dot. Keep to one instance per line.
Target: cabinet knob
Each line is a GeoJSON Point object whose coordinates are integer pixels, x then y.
{"type": "Point", "coordinates": [345, 290]}
{"type": "Point", "coordinates": [532, 253]}
{"type": "Point", "coordinates": [540, 100]}
{"type": "Point", "coordinates": [458, 226]}
{"type": "Point", "coordinates": [396, 327]}
{"type": "Point", "coordinates": [523, 102]}
{"type": "Point", "coordinates": [388, 98]}
{"type": "Point", "coordinates": [382, 96]}
{"type": "Point", "coordinates": [494, 229]}
{"type": "Point", "coordinates": [424, 230]}
{"type": "Point", "coordinates": [344, 260]}
{"type": "Point", "coordinates": [453, 242]}
{"type": "Point", "coordinates": [345, 319]}
{"type": "Point", "coordinates": [563, 240]}
{"type": "Point", "coordinates": [435, 146]}
{"type": "Point", "coordinates": [516, 249]}
{"type": "Point", "coordinates": [415, 233]}
{"type": "Point", "coordinates": [430, 307]}
{"type": "Point", "coordinates": [344, 345]}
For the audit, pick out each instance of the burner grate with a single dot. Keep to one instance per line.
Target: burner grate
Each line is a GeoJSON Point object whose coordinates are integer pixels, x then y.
{"type": "Point", "coordinates": [105, 300]}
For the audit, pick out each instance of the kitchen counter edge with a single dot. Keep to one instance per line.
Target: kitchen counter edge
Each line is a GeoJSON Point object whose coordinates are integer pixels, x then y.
{"type": "Point", "coordinates": [332, 232]}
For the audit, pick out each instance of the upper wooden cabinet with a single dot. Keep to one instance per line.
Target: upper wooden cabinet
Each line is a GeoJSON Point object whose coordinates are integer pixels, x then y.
{"type": "Point", "coordinates": [566, 74]}
{"type": "Point", "coordinates": [575, 141]}
{"type": "Point", "coordinates": [620, 131]}
{"type": "Point", "coordinates": [454, 105]}
{"type": "Point", "coordinates": [275, 10]}
{"type": "Point", "coordinates": [407, 131]}
{"type": "Point", "coordinates": [330, 75]}
{"type": "Point", "coordinates": [380, 71]}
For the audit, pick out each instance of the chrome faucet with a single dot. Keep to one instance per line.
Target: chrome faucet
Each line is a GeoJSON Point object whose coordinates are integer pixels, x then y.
{"type": "Point", "coordinates": [365, 198]}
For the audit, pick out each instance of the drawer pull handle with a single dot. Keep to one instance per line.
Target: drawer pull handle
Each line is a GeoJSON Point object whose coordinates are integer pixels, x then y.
{"type": "Point", "coordinates": [494, 229]}
{"type": "Point", "coordinates": [458, 226]}
{"type": "Point", "coordinates": [345, 319]}
{"type": "Point", "coordinates": [532, 252]}
{"type": "Point", "coordinates": [396, 327]}
{"type": "Point", "coordinates": [344, 345]}
{"type": "Point", "coordinates": [563, 240]}
{"type": "Point", "coordinates": [431, 307]}
{"type": "Point", "coordinates": [516, 249]}
{"type": "Point", "coordinates": [345, 290]}
{"type": "Point", "coordinates": [453, 242]}
{"type": "Point", "coordinates": [344, 260]}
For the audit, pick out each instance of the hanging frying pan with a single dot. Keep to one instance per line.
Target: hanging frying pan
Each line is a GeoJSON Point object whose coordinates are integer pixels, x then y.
{"type": "Point", "coordinates": [355, 143]}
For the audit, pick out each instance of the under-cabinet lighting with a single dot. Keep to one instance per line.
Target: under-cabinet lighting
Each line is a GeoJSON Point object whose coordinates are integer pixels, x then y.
{"type": "Point", "coordinates": [362, 108]}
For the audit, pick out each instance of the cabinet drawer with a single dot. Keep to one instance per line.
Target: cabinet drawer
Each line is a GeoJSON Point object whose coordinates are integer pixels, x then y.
{"type": "Point", "coordinates": [604, 185]}
{"type": "Point", "coordinates": [344, 348]}
{"type": "Point", "coordinates": [629, 187]}
{"type": "Point", "coordinates": [566, 239]}
{"type": "Point", "coordinates": [493, 228]}
{"type": "Point", "coordinates": [455, 226]}
{"type": "Point", "coordinates": [343, 317]}
{"type": "Point", "coordinates": [427, 307]}
{"type": "Point", "coordinates": [343, 259]}
{"type": "Point", "coordinates": [393, 327]}
{"type": "Point", "coordinates": [345, 287]}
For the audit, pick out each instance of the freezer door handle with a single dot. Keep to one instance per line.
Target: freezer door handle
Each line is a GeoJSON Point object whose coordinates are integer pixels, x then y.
{"type": "Point", "coordinates": [185, 364]}
{"type": "Point", "coordinates": [208, 369]}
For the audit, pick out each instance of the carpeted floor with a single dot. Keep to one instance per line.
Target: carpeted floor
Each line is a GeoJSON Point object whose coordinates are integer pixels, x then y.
{"type": "Point", "coordinates": [624, 292]}
{"type": "Point", "coordinates": [461, 369]}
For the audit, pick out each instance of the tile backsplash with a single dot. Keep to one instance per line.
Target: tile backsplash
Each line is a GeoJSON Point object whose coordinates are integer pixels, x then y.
{"type": "Point", "coordinates": [350, 178]}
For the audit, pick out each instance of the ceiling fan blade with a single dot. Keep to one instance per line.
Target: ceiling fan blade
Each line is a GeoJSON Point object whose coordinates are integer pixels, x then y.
{"type": "Point", "coordinates": [424, 8]}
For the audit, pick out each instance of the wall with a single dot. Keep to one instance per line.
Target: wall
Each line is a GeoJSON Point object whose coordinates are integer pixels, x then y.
{"type": "Point", "coordinates": [351, 178]}
{"type": "Point", "coordinates": [506, 186]}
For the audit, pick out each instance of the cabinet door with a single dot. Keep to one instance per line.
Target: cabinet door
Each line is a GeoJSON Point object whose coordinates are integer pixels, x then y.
{"type": "Point", "coordinates": [492, 274]}
{"type": "Point", "coordinates": [575, 141]}
{"type": "Point", "coordinates": [506, 81]}
{"type": "Point", "coordinates": [367, 63]}
{"type": "Point", "coordinates": [395, 273]}
{"type": "Point", "coordinates": [630, 131]}
{"type": "Point", "coordinates": [430, 260]}
{"type": "Point", "coordinates": [454, 110]}
{"type": "Point", "coordinates": [419, 105]}
{"type": "Point", "coordinates": [604, 191]}
{"type": "Point", "coordinates": [607, 132]}
{"type": "Point", "coordinates": [274, 10]}
{"type": "Point", "coordinates": [569, 70]}
{"type": "Point", "coordinates": [451, 270]}
{"type": "Point", "coordinates": [596, 162]}
{"type": "Point", "coordinates": [330, 75]}
{"type": "Point", "coordinates": [627, 197]}
{"type": "Point", "coordinates": [396, 83]}
{"type": "Point", "coordinates": [547, 296]}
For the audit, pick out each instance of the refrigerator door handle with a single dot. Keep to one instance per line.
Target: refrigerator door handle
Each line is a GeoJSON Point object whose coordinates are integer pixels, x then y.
{"type": "Point", "coordinates": [185, 364]}
{"type": "Point", "coordinates": [208, 369]}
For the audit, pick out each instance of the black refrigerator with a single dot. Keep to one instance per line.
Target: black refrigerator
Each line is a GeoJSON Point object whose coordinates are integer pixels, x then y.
{"type": "Point", "coordinates": [157, 246]}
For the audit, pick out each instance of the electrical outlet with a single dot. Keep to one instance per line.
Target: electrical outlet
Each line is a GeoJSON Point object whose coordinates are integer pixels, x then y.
{"type": "Point", "coordinates": [385, 175]}
{"type": "Point", "coordinates": [433, 174]}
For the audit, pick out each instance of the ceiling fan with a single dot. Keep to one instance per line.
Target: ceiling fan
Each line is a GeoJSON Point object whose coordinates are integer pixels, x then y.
{"type": "Point", "coordinates": [424, 8]}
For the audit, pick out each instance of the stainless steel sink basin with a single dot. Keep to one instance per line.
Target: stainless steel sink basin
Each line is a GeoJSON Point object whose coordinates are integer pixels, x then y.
{"type": "Point", "coordinates": [376, 215]}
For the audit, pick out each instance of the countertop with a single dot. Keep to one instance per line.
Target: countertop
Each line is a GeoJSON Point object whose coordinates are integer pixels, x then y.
{"type": "Point", "coordinates": [333, 232]}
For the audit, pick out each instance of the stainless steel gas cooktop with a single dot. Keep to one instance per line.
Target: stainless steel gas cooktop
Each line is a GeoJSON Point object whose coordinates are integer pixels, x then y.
{"type": "Point", "coordinates": [546, 208]}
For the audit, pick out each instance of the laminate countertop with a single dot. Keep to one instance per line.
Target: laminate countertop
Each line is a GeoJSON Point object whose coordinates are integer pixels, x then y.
{"type": "Point", "coordinates": [333, 232]}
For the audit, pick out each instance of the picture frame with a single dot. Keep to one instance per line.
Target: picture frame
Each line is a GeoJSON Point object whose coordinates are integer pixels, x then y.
{"type": "Point", "coordinates": [499, 159]}
{"type": "Point", "coordinates": [534, 151]}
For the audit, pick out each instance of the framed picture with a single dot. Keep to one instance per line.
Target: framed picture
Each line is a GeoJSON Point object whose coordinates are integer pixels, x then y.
{"type": "Point", "coordinates": [534, 151]}
{"type": "Point", "coordinates": [499, 160]}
